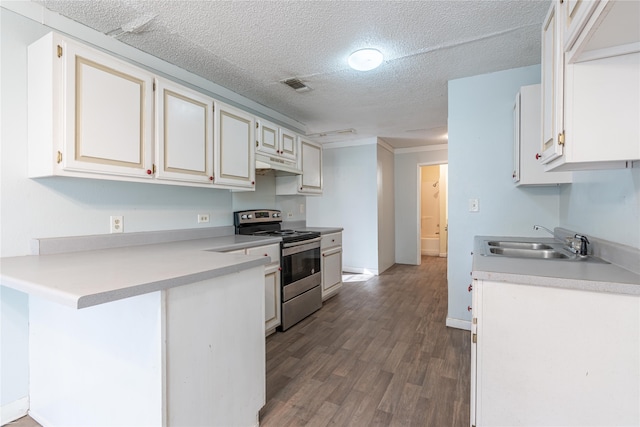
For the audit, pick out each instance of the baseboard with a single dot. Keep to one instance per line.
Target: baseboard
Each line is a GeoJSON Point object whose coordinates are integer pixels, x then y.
{"type": "Point", "coordinates": [14, 410]}
{"type": "Point", "coordinates": [359, 270]}
{"type": "Point", "coordinates": [443, 255]}
{"type": "Point", "coordinates": [458, 324]}
{"type": "Point", "coordinates": [429, 253]}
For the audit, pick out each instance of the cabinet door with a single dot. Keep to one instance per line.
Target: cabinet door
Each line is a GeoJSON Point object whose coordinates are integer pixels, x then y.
{"type": "Point", "coordinates": [271, 298]}
{"type": "Point", "coordinates": [516, 140]}
{"type": "Point", "coordinates": [311, 165]}
{"type": "Point", "coordinates": [552, 85]}
{"type": "Point", "coordinates": [267, 138]}
{"type": "Point", "coordinates": [109, 114]}
{"type": "Point", "coordinates": [288, 144]}
{"type": "Point", "coordinates": [234, 149]}
{"type": "Point", "coordinates": [184, 134]}
{"type": "Point", "coordinates": [331, 271]}
{"type": "Point", "coordinates": [576, 13]}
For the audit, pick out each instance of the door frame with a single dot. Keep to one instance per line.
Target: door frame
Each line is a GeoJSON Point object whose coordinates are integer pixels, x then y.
{"type": "Point", "coordinates": [419, 207]}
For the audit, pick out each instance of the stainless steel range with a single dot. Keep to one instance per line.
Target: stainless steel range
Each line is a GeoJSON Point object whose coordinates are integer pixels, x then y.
{"type": "Point", "coordinates": [300, 280]}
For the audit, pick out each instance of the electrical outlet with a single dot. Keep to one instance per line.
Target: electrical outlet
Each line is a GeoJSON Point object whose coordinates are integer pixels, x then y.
{"type": "Point", "coordinates": [203, 218]}
{"type": "Point", "coordinates": [289, 214]}
{"type": "Point", "coordinates": [116, 224]}
{"type": "Point", "coordinates": [474, 205]}
{"type": "Point", "coordinates": [301, 208]}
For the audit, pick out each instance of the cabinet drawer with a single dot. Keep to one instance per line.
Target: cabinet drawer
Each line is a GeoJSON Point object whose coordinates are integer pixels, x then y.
{"type": "Point", "coordinates": [272, 251]}
{"type": "Point", "coordinates": [329, 240]}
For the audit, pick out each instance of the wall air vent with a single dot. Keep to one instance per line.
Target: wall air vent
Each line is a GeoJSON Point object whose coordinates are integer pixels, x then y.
{"type": "Point", "coordinates": [297, 85]}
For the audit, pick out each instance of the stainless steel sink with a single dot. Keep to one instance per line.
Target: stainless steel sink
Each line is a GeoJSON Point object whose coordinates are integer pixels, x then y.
{"type": "Point", "coordinates": [542, 253]}
{"type": "Point", "coordinates": [533, 250]}
{"type": "Point", "coordinates": [518, 245]}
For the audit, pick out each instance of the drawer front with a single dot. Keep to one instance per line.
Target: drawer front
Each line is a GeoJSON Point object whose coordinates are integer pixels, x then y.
{"type": "Point", "coordinates": [272, 251]}
{"type": "Point", "coordinates": [329, 240]}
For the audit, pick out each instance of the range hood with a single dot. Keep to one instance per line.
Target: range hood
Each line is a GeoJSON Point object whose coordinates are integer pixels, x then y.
{"type": "Point", "coordinates": [266, 165]}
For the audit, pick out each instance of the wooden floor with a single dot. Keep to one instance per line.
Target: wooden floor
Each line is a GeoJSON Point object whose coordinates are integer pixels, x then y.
{"type": "Point", "coordinates": [378, 353]}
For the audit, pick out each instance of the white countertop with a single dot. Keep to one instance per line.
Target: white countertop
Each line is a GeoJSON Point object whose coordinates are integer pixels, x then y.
{"type": "Point", "coordinates": [583, 275]}
{"type": "Point", "coordinates": [87, 278]}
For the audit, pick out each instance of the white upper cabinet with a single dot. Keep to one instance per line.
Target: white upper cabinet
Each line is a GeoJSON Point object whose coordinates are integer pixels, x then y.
{"type": "Point", "coordinates": [267, 141]}
{"type": "Point", "coordinates": [527, 169]}
{"type": "Point", "coordinates": [234, 150]}
{"type": "Point", "coordinates": [275, 141]}
{"type": "Point", "coordinates": [89, 113]}
{"type": "Point", "coordinates": [311, 165]}
{"type": "Point", "coordinates": [288, 144]}
{"type": "Point", "coordinates": [552, 89]}
{"type": "Point", "coordinates": [310, 162]}
{"type": "Point", "coordinates": [591, 89]}
{"type": "Point", "coordinates": [184, 134]}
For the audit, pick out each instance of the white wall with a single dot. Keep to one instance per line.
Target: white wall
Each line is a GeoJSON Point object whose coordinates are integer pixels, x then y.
{"type": "Point", "coordinates": [349, 200]}
{"type": "Point", "coordinates": [604, 204]}
{"type": "Point", "coordinates": [54, 207]}
{"type": "Point", "coordinates": [406, 166]}
{"type": "Point", "coordinates": [386, 210]}
{"type": "Point", "coordinates": [480, 166]}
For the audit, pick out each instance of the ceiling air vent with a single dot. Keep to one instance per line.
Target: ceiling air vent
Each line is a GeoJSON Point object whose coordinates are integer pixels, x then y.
{"type": "Point", "coordinates": [297, 85]}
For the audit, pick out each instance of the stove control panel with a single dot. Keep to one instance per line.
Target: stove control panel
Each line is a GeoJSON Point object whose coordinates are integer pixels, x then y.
{"type": "Point", "coordinates": [257, 216]}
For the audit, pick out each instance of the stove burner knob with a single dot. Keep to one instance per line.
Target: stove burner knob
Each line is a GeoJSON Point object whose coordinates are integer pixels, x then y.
{"type": "Point", "coordinates": [243, 216]}
{"type": "Point", "coordinates": [249, 216]}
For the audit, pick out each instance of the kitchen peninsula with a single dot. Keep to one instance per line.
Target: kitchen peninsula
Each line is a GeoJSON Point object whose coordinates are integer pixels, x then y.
{"type": "Point", "coordinates": [157, 334]}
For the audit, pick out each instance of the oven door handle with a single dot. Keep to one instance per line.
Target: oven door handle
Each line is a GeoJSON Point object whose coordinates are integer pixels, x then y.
{"type": "Point", "coordinates": [306, 245]}
{"type": "Point", "coordinates": [302, 242]}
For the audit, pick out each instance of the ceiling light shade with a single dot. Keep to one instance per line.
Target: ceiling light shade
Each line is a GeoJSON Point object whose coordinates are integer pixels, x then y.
{"type": "Point", "coordinates": [365, 59]}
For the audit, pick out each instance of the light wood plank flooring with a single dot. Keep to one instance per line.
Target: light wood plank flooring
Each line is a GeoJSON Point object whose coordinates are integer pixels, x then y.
{"type": "Point", "coordinates": [378, 353]}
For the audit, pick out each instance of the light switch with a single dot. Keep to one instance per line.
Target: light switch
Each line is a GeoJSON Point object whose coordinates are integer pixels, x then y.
{"type": "Point", "coordinates": [474, 205]}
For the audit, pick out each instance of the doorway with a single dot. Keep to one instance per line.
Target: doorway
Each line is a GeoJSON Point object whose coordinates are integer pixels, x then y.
{"type": "Point", "coordinates": [433, 210]}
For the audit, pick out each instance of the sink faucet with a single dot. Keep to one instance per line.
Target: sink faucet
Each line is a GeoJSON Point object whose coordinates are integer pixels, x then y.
{"type": "Point", "coordinates": [538, 227]}
{"type": "Point", "coordinates": [583, 244]}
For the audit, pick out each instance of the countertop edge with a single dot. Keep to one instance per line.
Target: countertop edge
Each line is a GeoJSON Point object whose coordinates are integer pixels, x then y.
{"type": "Point", "coordinates": [133, 291]}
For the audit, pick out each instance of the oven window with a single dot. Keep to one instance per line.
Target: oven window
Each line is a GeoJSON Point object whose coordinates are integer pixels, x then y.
{"type": "Point", "coordinates": [300, 265]}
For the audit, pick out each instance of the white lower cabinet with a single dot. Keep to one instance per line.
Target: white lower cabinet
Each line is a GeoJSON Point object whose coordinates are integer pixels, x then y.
{"type": "Point", "coordinates": [331, 253]}
{"type": "Point", "coordinates": [552, 356]}
{"type": "Point", "coordinates": [271, 285]}
{"type": "Point", "coordinates": [192, 355]}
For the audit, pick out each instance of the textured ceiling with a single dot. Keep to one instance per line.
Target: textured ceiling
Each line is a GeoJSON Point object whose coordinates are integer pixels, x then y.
{"type": "Point", "coordinates": [249, 47]}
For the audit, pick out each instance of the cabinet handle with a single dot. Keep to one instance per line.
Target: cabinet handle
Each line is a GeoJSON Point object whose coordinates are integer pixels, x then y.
{"type": "Point", "coordinates": [279, 268]}
{"type": "Point", "coordinates": [149, 172]}
{"type": "Point", "coordinates": [538, 156]}
{"type": "Point", "coordinates": [469, 308]}
{"type": "Point", "coordinates": [470, 288]}
{"type": "Point", "coordinates": [513, 175]}
{"type": "Point", "coordinates": [253, 183]}
{"type": "Point", "coordinates": [266, 254]}
{"type": "Point", "coordinates": [210, 178]}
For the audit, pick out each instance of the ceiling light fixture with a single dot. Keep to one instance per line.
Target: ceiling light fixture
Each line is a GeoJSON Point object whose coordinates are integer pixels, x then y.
{"type": "Point", "coordinates": [365, 59]}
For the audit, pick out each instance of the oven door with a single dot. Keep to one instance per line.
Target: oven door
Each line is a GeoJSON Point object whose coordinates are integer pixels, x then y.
{"type": "Point", "coordinates": [300, 267]}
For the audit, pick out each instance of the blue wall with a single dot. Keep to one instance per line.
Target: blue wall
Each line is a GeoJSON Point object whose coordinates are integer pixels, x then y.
{"type": "Point", "coordinates": [480, 166]}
